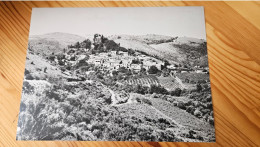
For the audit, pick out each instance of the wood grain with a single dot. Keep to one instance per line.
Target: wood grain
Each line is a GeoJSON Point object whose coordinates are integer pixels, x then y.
{"type": "Point", "coordinates": [233, 36]}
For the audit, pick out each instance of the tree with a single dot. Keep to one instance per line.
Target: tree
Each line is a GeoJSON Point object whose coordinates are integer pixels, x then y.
{"type": "Point", "coordinates": [114, 73]}
{"type": "Point", "coordinates": [153, 70]}
{"type": "Point", "coordinates": [143, 71]}
{"type": "Point", "coordinates": [77, 45]}
{"type": "Point", "coordinates": [60, 56]}
{"type": "Point", "coordinates": [86, 44]}
{"type": "Point", "coordinates": [99, 76]}
{"type": "Point", "coordinates": [199, 87]}
{"type": "Point", "coordinates": [122, 70]}
{"type": "Point", "coordinates": [136, 61]}
{"type": "Point", "coordinates": [111, 45]}
{"type": "Point", "coordinates": [140, 89]}
{"type": "Point", "coordinates": [158, 89]}
{"type": "Point", "coordinates": [131, 51]}
{"type": "Point", "coordinates": [176, 92]}
{"type": "Point", "coordinates": [166, 63]}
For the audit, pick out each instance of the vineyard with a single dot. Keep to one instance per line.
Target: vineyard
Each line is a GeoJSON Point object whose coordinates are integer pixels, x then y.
{"type": "Point", "coordinates": [168, 83]}
{"type": "Point", "coordinates": [143, 80]}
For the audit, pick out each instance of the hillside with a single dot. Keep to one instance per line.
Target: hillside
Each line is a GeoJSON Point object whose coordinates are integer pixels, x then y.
{"type": "Point", "coordinates": [169, 52]}
{"type": "Point", "coordinates": [52, 42]}
{"type": "Point", "coordinates": [148, 39]}
{"type": "Point", "coordinates": [173, 49]}
{"type": "Point", "coordinates": [189, 40]}
{"type": "Point", "coordinates": [137, 45]}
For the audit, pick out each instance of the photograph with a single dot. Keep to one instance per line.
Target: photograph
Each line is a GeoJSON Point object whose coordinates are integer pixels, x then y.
{"type": "Point", "coordinates": [117, 74]}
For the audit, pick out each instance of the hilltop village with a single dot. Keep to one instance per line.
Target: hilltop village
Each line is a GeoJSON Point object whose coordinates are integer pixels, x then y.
{"type": "Point", "coordinates": [109, 57]}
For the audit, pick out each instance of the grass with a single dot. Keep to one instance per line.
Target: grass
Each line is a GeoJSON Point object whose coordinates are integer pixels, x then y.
{"type": "Point", "coordinates": [193, 76]}
{"type": "Point", "coordinates": [169, 83]}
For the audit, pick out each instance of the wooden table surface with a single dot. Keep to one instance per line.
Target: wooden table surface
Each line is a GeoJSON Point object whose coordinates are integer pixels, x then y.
{"type": "Point", "coordinates": [233, 36]}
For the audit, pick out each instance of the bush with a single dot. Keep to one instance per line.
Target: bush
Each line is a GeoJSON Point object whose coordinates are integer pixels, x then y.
{"type": "Point", "coordinates": [99, 76]}
{"type": "Point", "coordinates": [176, 92]}
{"type": "Point", "coordinates": [141, 89]}
{"type": "Point", "coordinates": [138, 100]}
{"type": "Point", "coordinates": [29, 77]}
{"type": "Point", "coordinates": [190, 109]}
{"type": "Point", "coordinates": [181, 105]}
{"type": "Point", "coordinates": [53, 95]}
{"type": "Point", "coordinates": [27, 88]}
{"type": "Point", "coordinates": [157, 89]}
{"type": "Point", "coordinates": [198, 88]}
{"type": "Point", "coordinates": [73, 59]}
{"type": "Point", "coordinates": [86, 44]}
{"type": "Point", "coordinates": [146, 101]}
{"type": "Point", "coordinates": [26, 72]}
{"type": "Point", "coordinates": [153, 70]}
{"type": "Point", "coordinates": [111, 45]}
{"type": "Point", "coordinates": [81, 63]}
{"type": "Point", "coordinates": [22, 107]}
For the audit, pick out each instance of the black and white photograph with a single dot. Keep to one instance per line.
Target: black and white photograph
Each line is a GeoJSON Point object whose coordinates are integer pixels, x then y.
{"type": "Point", "coordinates": [117, 74]}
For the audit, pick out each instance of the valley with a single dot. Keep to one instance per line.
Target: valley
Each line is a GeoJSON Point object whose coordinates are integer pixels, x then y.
{"type": "Point", "coordinates": [116, 88]}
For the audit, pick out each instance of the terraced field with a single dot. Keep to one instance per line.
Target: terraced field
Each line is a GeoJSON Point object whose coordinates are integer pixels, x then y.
{"type": "Point", "coordinates": [145, 81]}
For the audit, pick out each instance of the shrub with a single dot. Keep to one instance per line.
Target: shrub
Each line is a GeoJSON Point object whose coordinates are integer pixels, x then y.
{"type": "Point", "coordinates": [138, 100]}
{"type": "Point", "coordinates": [29, 77]}
{"type": "Point", "coordinates": [157, 89]}
{"type": "Point", "coordinates": [86, 44]}
{"type": "Point", "coordinates": [22, 107]}
{"type": "Point", "coordinates": [163, 120]}
{"type": "Point", "coordinates": [99, 76]}
{"type": "Point", "coordinates": [73, 59]}
{"type": "Point", "coordinates": [81, 63]}
{"type": "Point", "coordinates": [198, 88]}
{"type": "Point", "coordinates": [176, 92]}
{"type": "Point", "coordinates": [26, 72]}
{"type": "Point", "coordinates": [153, 70]}
{"type": "Point", "coordinates": [181, 105]}
{"type": "Point", "coordinates": [190, 109]}
{"type": "Point", "coordinates": [141, 89]}
{"type": "Point", "coordinates": [53, 95]}
{"type": "Point", "coordinates": [146, 101]}
{"type": "Point", "coordinates": [27, 88]}
{"type": "Point", "coordinates": [111, 45]}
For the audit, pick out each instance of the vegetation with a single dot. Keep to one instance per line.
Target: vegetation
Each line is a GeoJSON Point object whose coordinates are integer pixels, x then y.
{"type": "Point", "coordinates": [89, 103]}
{"type": "Point", "coordinates": [153, 70]}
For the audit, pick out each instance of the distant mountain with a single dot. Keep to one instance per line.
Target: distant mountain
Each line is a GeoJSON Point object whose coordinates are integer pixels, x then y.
{"type": "Point", "coordinates": [64, 39]}
{"type": "Point", "coordinates": [52, 42]}
{"type": "Point", "coordinates": [148, 39]}
{"type": "Point", "coordinates": [189, 40]}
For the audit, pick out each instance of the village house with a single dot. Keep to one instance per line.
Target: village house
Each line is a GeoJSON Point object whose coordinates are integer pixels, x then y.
{"type": "Point", "coordinates": [113, 53]}
{"type": "Point", "coordinates": [136, 67]}
{"type": "Point", "coordinates": [171, 67]}
{"type": "Point", "coordinates": [125, 54]}
{"type": "Point", "coordinates": [148, 63]}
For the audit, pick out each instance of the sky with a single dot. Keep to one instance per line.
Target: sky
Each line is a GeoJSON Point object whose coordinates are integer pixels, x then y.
{"type": "Point", "coordinates": [170, 21]}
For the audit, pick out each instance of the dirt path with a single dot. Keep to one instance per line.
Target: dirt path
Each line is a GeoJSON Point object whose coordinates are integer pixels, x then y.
{"type": "Point", "coordinates": [113, 97]}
